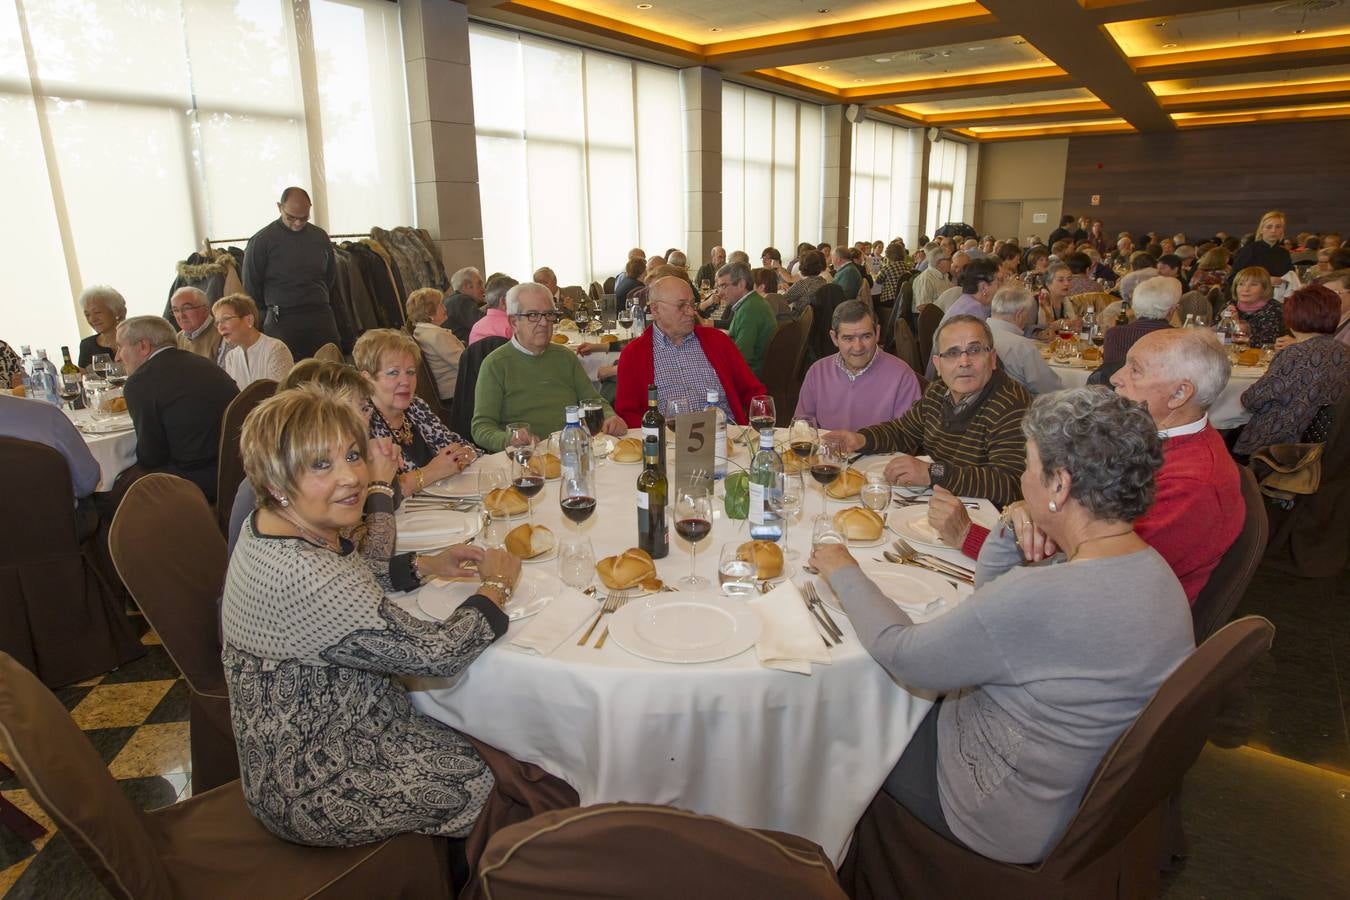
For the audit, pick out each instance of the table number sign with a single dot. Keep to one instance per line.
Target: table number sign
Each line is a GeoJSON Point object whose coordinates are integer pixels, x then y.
{"type": "Point", "coordinates": [695, 437]}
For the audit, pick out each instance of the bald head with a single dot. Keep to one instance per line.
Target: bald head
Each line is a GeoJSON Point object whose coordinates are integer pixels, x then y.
{"type": "Point", "coordinates": [1177, 373]}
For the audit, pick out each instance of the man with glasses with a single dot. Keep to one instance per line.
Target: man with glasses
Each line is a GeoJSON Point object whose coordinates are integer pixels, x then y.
{"type": "Point", "coordinates": [750, 320]}
{"type": "Point", "coordinates": [683, 359]}
{"type": "Point", "coordinates": [969, 422]}
{"type": "Point", "coordinates": [531, 379]}
{"type": "Point", "coordinates": [196, 327]}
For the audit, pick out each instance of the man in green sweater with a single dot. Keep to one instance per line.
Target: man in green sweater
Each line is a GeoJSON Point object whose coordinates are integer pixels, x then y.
{"type": "Point", "coordinates": [752, 319]}
{"type": "Point", "coordinates": [531, 379]}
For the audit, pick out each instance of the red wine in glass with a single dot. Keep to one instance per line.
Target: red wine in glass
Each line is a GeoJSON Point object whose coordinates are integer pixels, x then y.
{"type": "Point", "coordinates": [802, 448]}
{"type": "Point", "coordinates": [595, 419]}
{"type": "Point", "coordinates": [693, 530]}
{"type": "Point", "coordinates": [528, 484]}
{"type": "Point", "coordinates": [825, 473]}
{"type": "Point", "coordinates": [1098, 338]}
{"type": "Point", "coordinates": [578, 509]}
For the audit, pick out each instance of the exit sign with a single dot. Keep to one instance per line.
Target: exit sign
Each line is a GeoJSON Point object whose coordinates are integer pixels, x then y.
{"type": "Point", "coordinates": [1096, 200]}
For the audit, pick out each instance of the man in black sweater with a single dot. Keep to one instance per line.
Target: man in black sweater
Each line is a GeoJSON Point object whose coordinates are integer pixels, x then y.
{"type": "Point", "coordinates": [176, 400]}
{"type": "Point", "coordinates": [290, 270]}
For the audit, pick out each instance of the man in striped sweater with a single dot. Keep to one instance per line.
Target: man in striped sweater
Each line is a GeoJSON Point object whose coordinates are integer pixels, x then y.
{"type": "Point", "coordinates": [970, 422]}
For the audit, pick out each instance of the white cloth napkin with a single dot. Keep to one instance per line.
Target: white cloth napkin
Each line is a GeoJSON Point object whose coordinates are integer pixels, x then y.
{"type": "Point", "coordinates": [788, 639]}
{"type": "Point", "coordinates": [555, 623]}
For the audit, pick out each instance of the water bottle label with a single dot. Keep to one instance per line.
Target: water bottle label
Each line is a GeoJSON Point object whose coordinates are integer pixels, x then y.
{"type": "Point", "coordinates": [757, 503]}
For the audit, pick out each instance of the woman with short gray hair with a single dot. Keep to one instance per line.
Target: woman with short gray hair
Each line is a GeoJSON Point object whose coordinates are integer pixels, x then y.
{"type": "Point", "coordinates": [1042, 669]}
{"type": "Point", "coordinates": [104, 309]}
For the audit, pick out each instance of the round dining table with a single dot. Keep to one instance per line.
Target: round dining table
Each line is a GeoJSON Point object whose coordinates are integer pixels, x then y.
{"type": "Point", "coordinates": [759, 746]}
{"type": "Point", "coordinates": [112, 441]}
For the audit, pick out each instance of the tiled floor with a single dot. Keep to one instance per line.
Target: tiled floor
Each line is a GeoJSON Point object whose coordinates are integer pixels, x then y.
{"type": "Point", "coordinates": [1266, 808]}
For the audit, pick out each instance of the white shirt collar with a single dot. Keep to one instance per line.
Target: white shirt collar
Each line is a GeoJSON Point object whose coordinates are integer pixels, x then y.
{"type": "Point", "coordinates": [521, 347]}
{"type": "Point", "coordinates": [1190, 428]}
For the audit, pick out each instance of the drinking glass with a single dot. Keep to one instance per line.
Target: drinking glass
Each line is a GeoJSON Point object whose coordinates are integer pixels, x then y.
{"type": "Point", "coordinates": [705, 288]}
{"type": "Point", "coordinates": [495, 530]}
{"type": "Point", "coordinates": [735, 575]}
{"type": "Point", "coordinates": [693, 522]}
{"type": "Point", "coordinates": [876, 493]}
{"type": "Point", "coordinates": [762, 413]}
{"type": "Point", "coordinates": [674, 408]}
{"type": "Point", "coordinates": [520, 447]}
{"type": "Point", "coordinates": [823, 532]}
{"type": "Point", "coordinates": [593, 415]}
{"type": "Point", "coordinates": [787, 503]}
{"type": "Point", "coordinates": [69, 389]}
{"type": "Point", "coordinates": [491, 478]}
{"type": "Point", "coordinates": [829, 462]}
{"type": "Point", "coordinates": [576, 562]}
{"type": "Point", "coordinates": [100, 364]}
{"type": "Point", "coordinates": [117, 374]}
{"type": "Point", "coordinates": [576, 497]}
{"type": "Point", "coordinates": [802, 437]}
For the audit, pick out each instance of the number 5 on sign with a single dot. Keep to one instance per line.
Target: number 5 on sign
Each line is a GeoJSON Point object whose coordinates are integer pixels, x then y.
{"type": "Point", "coordinates": [694, 439]}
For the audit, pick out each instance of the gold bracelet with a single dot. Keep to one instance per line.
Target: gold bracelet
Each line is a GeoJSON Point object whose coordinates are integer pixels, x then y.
{"type": "Point", "coordinates": [421, 479]}
{"type": "Point", "coordinates": [500, 584]}
{"type": "Point", "coordinates": [376, 488]}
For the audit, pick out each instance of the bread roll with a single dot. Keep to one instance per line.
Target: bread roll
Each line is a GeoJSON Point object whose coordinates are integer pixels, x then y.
{"type": "Point", "coordinates": [1249, 357]}
{"type": "Point", "coordinates": [794, 463]}
{"type": "Point", "coordinates": [546, 464]}
{"type": "Point", "coordinates": [506, 502]}
{"type": "Point", "coordinates": [629, 569]}
{"type": "Point", "coordinates": [627, 450]}
{"type": "Point", "coordinates": [766, 556]}
{"type": "Point", "coordinates": [848, 484]}
{"type": "Point", "coordinates": [119, 404]}
{"type": "Point", "coordinates": [856, 523]}
{"type": "Point", "coordinates": [528, 541]}
{"type": "Point", "coordinates": [608, 338]}
{"type": "Point", "coordinates": [560, 339]}
{"type": "Point", "coordinates": [1091, 354]}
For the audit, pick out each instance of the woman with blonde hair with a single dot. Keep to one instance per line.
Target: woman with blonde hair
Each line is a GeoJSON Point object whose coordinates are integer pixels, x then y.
{"type": "Point", "coordinates": [331, 751]}
{"type": "Point", "coordinates": [1253, 304]}
{"type": "Point", "coordinates": [1266, 250]}
{"type": "Point", "coordinates": [426, 314]}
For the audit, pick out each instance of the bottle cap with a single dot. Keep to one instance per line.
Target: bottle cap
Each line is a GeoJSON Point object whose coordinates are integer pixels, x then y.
{"type": "Point", "coordinates": [573, 414]}
{"type": "Point", "coordinates": [713, 396]}
{"type": "Point", "coordinates": [766, 438]}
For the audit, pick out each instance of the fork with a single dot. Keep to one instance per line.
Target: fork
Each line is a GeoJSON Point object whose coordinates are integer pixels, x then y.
{"type": "Point", "coordinates": [909, 555]}
{"type": "Point", "coordinates": [604, 635]}
{"type": "Point", "coordinates": [608, 605]}
{"type": "Point", "coordinates": [817, 606]}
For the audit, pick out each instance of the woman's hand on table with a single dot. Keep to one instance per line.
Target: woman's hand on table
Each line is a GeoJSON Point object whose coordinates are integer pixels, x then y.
{"type": "Point", "coordinates": [494, 567]}
{"type": "Point", "coordinates": [1035, 545]}
{"type": "Point", "coordinates": [383, 456]}
{"type": "Point", "coordinates": [450, 461]}
{"type": "Point", "coordinates": [845, 441]}
{"type": "Point", "coordinates": [830, 558]}
{"type": "Point", "coordinates": [452, 562]}
{"type": "Point", "coordinates": [905, 469]}
{"type": "Point", "coordinates": [615, 426]}
{"type": "Point", "coordinates": [947, 514]}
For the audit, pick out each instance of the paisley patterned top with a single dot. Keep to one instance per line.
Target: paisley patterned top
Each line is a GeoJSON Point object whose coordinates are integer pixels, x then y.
{"type": "Point", "coordinates": [1266, 324]}
{"type": "Point", "coordinates": [331, 752]}
{"type": "Point", "coordinates": [426, 427]}
{"type": "Point", "coordinates": [1302, 378]}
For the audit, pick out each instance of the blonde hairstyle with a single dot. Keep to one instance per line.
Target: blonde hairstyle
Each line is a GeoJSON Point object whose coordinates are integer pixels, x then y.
{"type": "Point", "coordinates": [1213, 260]}
{"type": "Point", "coordinates": [1273, 214]}
{"type": "Point", "coordinates": [288, 432]}
{"type": "Point", "coordinates": [339, 378]}
{"type": "Point", "coordinates": [239, 304]}
{"type": "Point", "coordinates": [422, 304]}
{"type": "Point", "coordinates": [1253, 273]}
{"type": "Point", "coordinates": [379, 343]}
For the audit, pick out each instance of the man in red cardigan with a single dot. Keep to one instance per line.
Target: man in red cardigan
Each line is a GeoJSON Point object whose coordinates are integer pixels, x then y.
{"type": "Point", "coordinates": [1197, 510]}
{"type": "Point", "coordinates": [683, 359]}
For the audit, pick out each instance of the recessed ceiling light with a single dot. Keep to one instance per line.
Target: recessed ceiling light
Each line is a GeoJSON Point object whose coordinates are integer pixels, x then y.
{"type": "Point", "coordinates": [644, 6]}
{"type": "Point", "coordinates": [822, 67]}
{"type": "Point", "coordinates": [974, 49]}
{"type": "Point", "coordinates": [859, 80]}
{"type": "Point", "coordinates": [1019, 42]}
{"type": "Point", "coordinates": [882, 59]}
{"type": "Point", "coordinates": [1159, 24]}
{"type": "Point", "coordinates": [823, 10]}
{"type": "Point", "coordinates": [1169, 45]}
{"type": "Point", "coordinates": [714, 29]}
{"type": "Point", "coordinates": [1299, 30]}
{"type": "Point", "coordinates": [946, 53]}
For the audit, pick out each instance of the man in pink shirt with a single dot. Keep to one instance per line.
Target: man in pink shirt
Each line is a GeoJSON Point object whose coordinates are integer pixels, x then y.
{"type": "Point", "coordinates": [860, 385]}
{"type": "Point", "coordinates": [494, 321]}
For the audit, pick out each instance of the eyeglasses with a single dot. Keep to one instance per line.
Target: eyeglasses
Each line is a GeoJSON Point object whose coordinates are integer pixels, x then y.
{"type": "Point", "coordinates": [683, 305]}
{"type": "Point", "coordinates": [974, 351]}
{"type": "Point", "coordinates": [534, 316]}
{"type": "Point", "coordinates": [183, 309]}
{"type": "Point", "coordinates": [220, 320]}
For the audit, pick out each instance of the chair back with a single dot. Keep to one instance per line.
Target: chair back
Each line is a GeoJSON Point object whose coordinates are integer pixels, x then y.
{"type": "Point", "coordinates": [36, 476]}
{"type": "Point", "coordinates": [596, 291]}
{"type": "Point", "coordinates": [1147, 762]}
{"type": "Point", "coordinates": [824, 300]}
{"type": "Point", "coordinates": [466, 382]}
{"type": "Point", "coordinates": [1216, 601]}
{"type": "Point", "coordinates": [329, 353]}
{"type": "Point", "coordinates": [172, 559]}
{"type": "Point", "coordinates": [806, 321]}
{"type": "Point", "coordinates": [66, 777]}
{"type": "Point", "coordinates": [1309, 540]}
{"type": "Point", "coordinates": [929, 317]}
{"type": "Point", "coordinates": [575, 291]}
{"type": "Point", "coordinates": [1098, 300]}
{"type": "Point", "coordinates": [609, 285]}
{"type": "Point", "coordinates": [781, 353]}
{"type": "Point", "coordinates": [666, 853]}
{"type": "Point", "coordinates": [426, 389]}
{"type": "Point", "coordinates": [1195, 303]}
{"type": "Point", "coordinates": [230, 468]}
{"type": "Point", "coordinates": [906, 345]}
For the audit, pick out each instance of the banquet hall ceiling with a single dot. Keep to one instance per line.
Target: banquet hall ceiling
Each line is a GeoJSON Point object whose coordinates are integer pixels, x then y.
{"type": "Point", "coordinates": [996, 69]}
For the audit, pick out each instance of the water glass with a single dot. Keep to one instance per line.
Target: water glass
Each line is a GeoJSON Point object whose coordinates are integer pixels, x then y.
{"type": "Point", "coordinates": [100, 364]}
{"type": "Point", "coordinates": [495, 529]}
{"type": "Point", "coordinates": [787, 502]}
{"type": "Point", "coordinates": [823, 532]}
{"type": "Point", "coordinates": [736, 575]}
{"type": "Point", "coordinates": [576, 562]}
{"type": "Point", "coordinates": [876, 493]}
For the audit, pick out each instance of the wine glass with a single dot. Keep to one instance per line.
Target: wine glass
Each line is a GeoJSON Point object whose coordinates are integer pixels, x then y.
{"type": "Point", "coordinates": [693, 522]}
{"type": "Point", "coordinates": [100, 363]}
{"type": "Point", "coordinates": [69, 388]}
{"type": "Point", "coordinates": [802, 437]}
{"type": "Point", "coordinates": [576, 562]}
{"type": "Point", "coordinates": [762, 414]}
{"type": "Point", "coordinates": [787, 503]}
{"type": "Point", "coordinates": [576, 496]}
{"type": "Point", "coordinates": [876, 493]}
{"type": "Point", "coordinates": [520, 447]}
{"type": "Point", "coordinates": [676, 406]}
{"type": "Point", "coordinates": [491, 479]}
{"type": "Point", "coordinates": [117, 374]}
{"type": "Point", "coordinates": [826, 468]}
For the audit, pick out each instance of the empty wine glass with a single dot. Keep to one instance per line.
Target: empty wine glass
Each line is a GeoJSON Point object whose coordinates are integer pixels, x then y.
{"type": "Point", "coordinates": [576, 562]}
{"type": "Point", "coordinates": [117, 374]}
{"type": "Point", "coordinates": [491, 478]}
{"type": "Point", "coordinates": [100, 363]}
{"type": "Point", "coordinates": [787, 503]}
{"type": "Point", "coordinates": [762, 413]}
{"type": "Point", "coordinates": [693, 522]}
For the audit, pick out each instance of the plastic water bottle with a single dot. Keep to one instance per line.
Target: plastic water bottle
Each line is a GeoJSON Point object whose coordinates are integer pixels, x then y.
{"type": "Point", "coordinates": [27, 369]}
{"type": "Point", "coordinates": [1088, 328]}
{"type": "Point", "coordinates": [45, 380]}
{"type": "Point", "coordinates": [574, 447]}
{"type": "Point", "coordinates": [766, 471]}
{"type": "Point", "coordinates": [1226, 327]}
{"type": "Point", "coordinates": [720, 465]}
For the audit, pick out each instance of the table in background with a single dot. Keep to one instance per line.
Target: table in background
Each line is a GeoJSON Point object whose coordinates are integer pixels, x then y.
{"type": "Point", "coordinates": [761, 747]}
{"type": "Point", "coordinates": [115, 452]}
{"type": "Point", "coordinates": [1226, 412]}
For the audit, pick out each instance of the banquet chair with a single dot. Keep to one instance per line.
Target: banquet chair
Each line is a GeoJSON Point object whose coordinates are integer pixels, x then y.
{"type": "Point", "coordinates": [426, 389]}
{"type": "Point", "coordinates": [824, 301]}
{"type": "Point", "coordinates": [929, 318]}
{"type": "Point", "coordinates": [575, 291]}
{"type": "Point", "coordinates": [609, 285]}
{"type": "Point", "coordinates": [1216, 601]}
{"type": "Point", "coordinates": [329, 352]}
{"type": "Point", "coordinates": [205, 847]}
{"type": "Point", "coordinates": [230, 467]}
{"type": "Point", "coordinates": [595, 292]}
{"type": "Point", "coordinates": [780, 366]}
{"type": "Point", "coordinates": [58, 615]}
{"type": "Point", "coordinates": [520, 791]}
{"type": "Point", "coordinates": [1110, 848]}
{"type": "Point", "coordinates": [172, 559]}
{"type": "Point", "coordinates": [624, 850]}
{"type": "Point", "coordinates": [1309, 540]}
{"type": "Point", "coordinates": [807, 321]}
{"type": "Point", "coordinates": [906, 346]}
{"type": "Point", "coordinates": [466, 382]}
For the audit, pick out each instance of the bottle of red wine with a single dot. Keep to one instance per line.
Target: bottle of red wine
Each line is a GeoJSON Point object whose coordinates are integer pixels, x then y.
{"type": "Point", "coordinates": [653, 423]}
{"type": "Point", "coordinates": [651, 502]}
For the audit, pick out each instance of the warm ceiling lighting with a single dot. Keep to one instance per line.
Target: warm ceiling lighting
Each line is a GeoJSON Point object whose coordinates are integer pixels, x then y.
{"type": "Point", "coordinates": [1169, 45]}
{"type": "Point", "coordinates": [822, 67]}
{"type": "Point", "coordinates": [714, 29]}
{"type": "Point", "coordinates": [644, 6]}
{"type": "Point", "coordinates": [882, 59]}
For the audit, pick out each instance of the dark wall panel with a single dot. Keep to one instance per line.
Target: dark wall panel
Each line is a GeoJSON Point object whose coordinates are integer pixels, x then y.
{"type": "Point", "coordinates": [1204, 180]}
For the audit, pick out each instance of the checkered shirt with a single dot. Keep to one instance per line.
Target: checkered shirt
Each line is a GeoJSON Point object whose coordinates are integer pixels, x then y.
{"type": "Point", "coordinates": [684, 373]}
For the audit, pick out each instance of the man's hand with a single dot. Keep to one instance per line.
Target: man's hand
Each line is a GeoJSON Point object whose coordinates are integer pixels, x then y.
{"type": "Point", "coordinates": [844, 441]}
{"type": "Point", "coordinates": [905, 469]}
{"type": "Point", "coordinates": [947, 514]}
{"type": "Point", "coordinates": [615, 426]}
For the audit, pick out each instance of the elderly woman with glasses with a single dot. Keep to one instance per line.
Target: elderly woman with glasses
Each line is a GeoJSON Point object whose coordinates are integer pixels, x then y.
{"type": "Point", "coordinates": [250, 355]}
{"type": "Point", "coordinates": [1039, 672]}
{"type": "Point", "coordinates": [331, 752]}
{"type": "Point", "coordinates": [104, 309]}
{"type": "Point", "coordinates": [428, 451]}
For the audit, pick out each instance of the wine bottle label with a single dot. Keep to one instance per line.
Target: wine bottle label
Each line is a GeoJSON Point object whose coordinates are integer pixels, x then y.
{"type": "Point", "coordinates": [642, 500]}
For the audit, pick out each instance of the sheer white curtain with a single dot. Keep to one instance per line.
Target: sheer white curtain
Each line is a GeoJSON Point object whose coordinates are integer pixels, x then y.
{"type": "Point", "coordinates": [946, 184]}
{"type": "Point", "coordinates": [884, 182]}
{"type": "Point", "coordinates": [771, 171]}
{"type": "Point", "coordinates": [129, 134]}
{"type": "Point", "coordinates": [580, 156]}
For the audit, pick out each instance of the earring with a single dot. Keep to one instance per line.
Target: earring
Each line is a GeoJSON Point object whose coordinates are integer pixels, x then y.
{"type": "Point", "coordinates": [283, 501]}
{"type": "Point", "coordinates": [1053, 506]}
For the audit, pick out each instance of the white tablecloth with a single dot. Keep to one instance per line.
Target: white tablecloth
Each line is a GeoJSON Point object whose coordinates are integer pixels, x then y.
{"type": "Point", "coordinates": [760, 747]}
{"type": "Point", "coordinates": [1227, 411]}
{"type": "Point", "coordinates": [114, 452]}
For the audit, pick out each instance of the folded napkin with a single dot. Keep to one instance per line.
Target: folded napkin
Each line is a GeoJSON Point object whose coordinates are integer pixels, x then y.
{"type": "Point", "coordinates": [788, 638]}
{"type": "Point", "coordinates": [555, 623]}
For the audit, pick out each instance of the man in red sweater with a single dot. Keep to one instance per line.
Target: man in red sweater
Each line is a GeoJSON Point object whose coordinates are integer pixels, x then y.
{"type": "Point", "coordinates": [1197, 509]}
{"type": "Point", "coordinates": [683, 359]}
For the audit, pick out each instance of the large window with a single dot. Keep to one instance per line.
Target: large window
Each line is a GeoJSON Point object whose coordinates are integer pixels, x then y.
{"type": "Point", "coordinates": [771, 171]}
{"type": "Point", "coordinates": [127, 136]}
{"type": "Point", "coordinates": [885, 181]}
{"type": "Point", "coordinates": [946, 184]}
{"type": "Point", "coordinates": [580, 156]}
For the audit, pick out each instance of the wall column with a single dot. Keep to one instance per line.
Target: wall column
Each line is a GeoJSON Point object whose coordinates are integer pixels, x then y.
{"type": "Point", "coordinates": [837, 159]}
{"type": "Point", "coordinates": [440, 106]}
{"type": "Point", "coordinates": [701, 102]}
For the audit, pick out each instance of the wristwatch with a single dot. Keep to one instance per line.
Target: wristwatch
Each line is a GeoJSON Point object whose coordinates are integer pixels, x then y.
{"type": "Point", "coordinates": [936, 472]}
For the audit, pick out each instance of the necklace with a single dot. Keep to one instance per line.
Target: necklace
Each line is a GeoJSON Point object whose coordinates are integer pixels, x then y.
{"type": "Point", "coordinates": [1105, 537]}
{"type": "Point", "coordinates": [403, 433]}
{"type": "Point", "coordinates": [306, 532]}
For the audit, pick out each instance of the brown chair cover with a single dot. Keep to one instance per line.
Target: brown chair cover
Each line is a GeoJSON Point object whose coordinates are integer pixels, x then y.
{"type": "Point", "coordinates": [206, 847]}
{"type": "Point", "coordinates": [172, 558]}
{"type": "Point", "coordinates": [1194, 303]}
{"type": "Point", "coordinates": [1310, 540]}
{"type": "Point", "coordinates": [929, 317]}
{"type": "Point", "coordinates": [824, 300]}
{"type": "Point", "coordinates": [906, 346]}
{"type": "Point", "coordinates": [230, 467]}
{"type": "Point", "coordinates": [1228, 582]}
{"type": "Point", "coordinates": [622, 850]}
{"type": "Point", "coordinates": [575, 291]}
{"type": "Point", "coordinates": [58, 616]}
{"type": "Point", "coordinates": [329, 353]}
{"type": "Point", "coordinates": [609, 285]}
{"type": "Point", "coordinates": [1098, 300]}
{"type": "Point", "coordinates": [1110, 847]}
{"type": "Point", "coordinates": [470, 361]}
{"type": "Point", "coordinates": [780, 367]}
{"type": "Point", "coordinates": [596, 291]}
{"type": "Point", "coordinates": [807, 321]}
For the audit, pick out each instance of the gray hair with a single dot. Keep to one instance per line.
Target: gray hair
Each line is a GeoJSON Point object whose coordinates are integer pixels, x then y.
{"type": "Point", "coordinates": [1054, 269]}
{"type": "Point", "coordinates": [1133, 279]}
{"type": "Point", "coordinates": [851, 311]}
{"type": "Point", "coordinates": [464, 277]}
{"type": "Point", "coordinates": [739, 273]}
{"type": "Point", "coordinates": [111, 297]}
{"type": "Point", "coordinates": [1185, 251]}
{"type": "Point", "coordinates": [495, 292]}
{"type": "Point", "coordinates": [677, 258]}
{"type": "Point", "coordinates": [1156, 297]}
{"type": "Point", "coordinates": [154, 329]}
{"type": "Point", "coordinates": [739, 256]}
{"type": "Point", "coordinates": [1010, 300]}
{"type": "Point", "coordinates": [1191, 354]}
{"type": "Point", "coordinates": [1108, 445]}
{"type": "Point", "coordinates": [191, 291]}
{"type": "Point", "coordinates": [517, 293]}
{"type": "Point", "coordinates": [959, 320]}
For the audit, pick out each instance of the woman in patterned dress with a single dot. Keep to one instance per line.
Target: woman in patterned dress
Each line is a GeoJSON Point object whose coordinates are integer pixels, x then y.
{"type": "Point", "coordinates": [1253, 304]}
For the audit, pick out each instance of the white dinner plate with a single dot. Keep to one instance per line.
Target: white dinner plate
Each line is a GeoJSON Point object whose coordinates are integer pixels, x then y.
{"type": "Point", "coordinates": [685, 628]}
{"type": "Point", "coordinates": [875, 542]}
{"type": "Point", "coordinates": [464, 484]}
{"type": "Point", "coordinates": [550, 553]}
{"type": "Point", "coordinates": [119, 422]}
{"type": "Point", "coordinates": [920, 593]}
{"type": "Point", "coordinates": [534, 591]}
{"type": "Point", "coordinates": [911, 523]}
{"type": "Point", "coordinates": [433, 529]}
